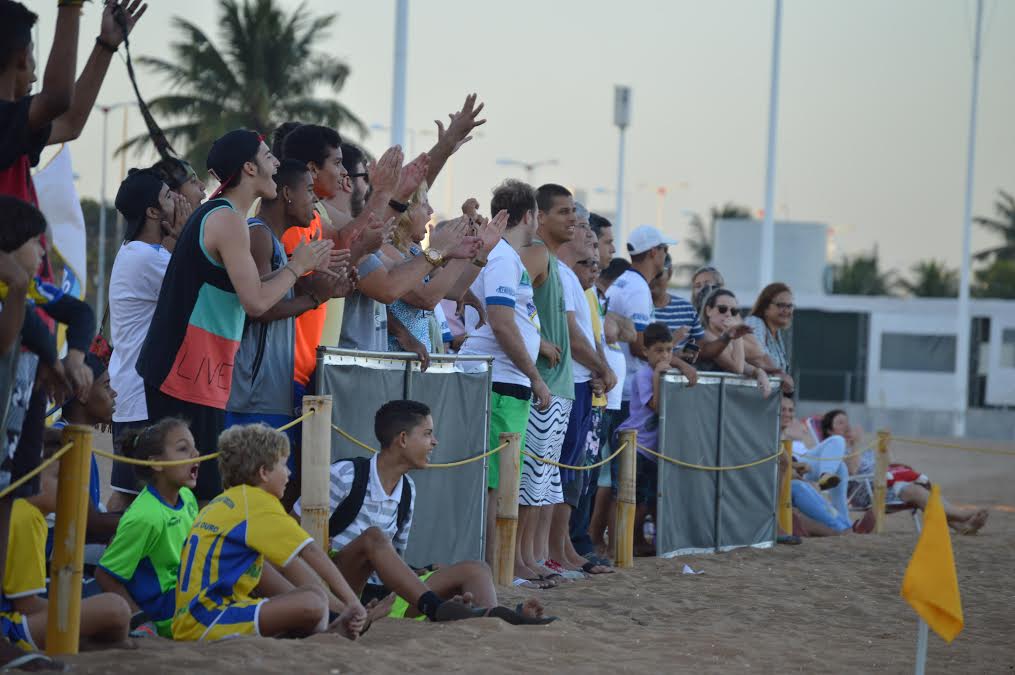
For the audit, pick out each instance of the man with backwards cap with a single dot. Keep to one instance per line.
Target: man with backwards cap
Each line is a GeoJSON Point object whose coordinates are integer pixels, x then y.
{"type": "Point", "coordinates": [211, 285]}
{"type": "Point", "coordinates": [154, 217]}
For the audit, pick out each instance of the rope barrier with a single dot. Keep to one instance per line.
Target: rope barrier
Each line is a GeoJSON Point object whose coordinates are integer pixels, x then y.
{"type": "Point", "coordinates": [446, 465]}
{"type": "Point", "coordinates": [290, 425]}
{"type": "Point", "coordinates": [857, 453]}
{"type": "Point", "coordinates": [36, 471]}
{"type": "Point", "coordinates": [952, 446]}
{"type": "Point", "coordinates": [575, 468]}
{"type": "Point", "coordinates": [701, 467]}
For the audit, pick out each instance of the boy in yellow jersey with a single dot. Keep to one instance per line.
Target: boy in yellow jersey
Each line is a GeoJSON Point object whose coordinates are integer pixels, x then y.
{"type": "Point", "coordinates": [105, 618]}
{"type": "Point", "coordinates": [243, 542]}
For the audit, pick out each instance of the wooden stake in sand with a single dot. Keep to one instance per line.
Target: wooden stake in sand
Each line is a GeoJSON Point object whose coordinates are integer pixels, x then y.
{"type": "Point", "coordinates": [785, 512]}
{"type": "Point", "coordinates": [507, 509]}
{"type": "Point", "coordinates": [315, 478]}
{"type": "Point", "coordinates": [626, 500]}
{"type": "Point", "coordinates": [63, 622]}
{"type": "Point", "coordinates": [880, 481]}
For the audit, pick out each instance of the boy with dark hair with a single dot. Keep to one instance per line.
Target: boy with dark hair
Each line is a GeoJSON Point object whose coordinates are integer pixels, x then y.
{"type": "Point", "coordinates": [243, 543]}
{"type": "Point", "coordinates": [644, 417]}
{"type": "Point", "coordinates": [372, 503]}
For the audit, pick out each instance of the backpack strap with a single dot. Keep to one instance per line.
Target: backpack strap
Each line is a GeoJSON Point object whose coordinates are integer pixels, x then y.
{"type": "Point", "coordinates": [345, 513]}
{"type": "Point", "coordinates": [404, 506]}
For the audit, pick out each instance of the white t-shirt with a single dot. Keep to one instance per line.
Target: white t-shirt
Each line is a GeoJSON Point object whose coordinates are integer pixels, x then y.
{"type": "Point", "coordinates": [575, 301]}
{"type": "Point", "coordinates": [133, 294]}
{"type": "Point", "coordinates": [630, 297]}
{"type": "Point", "coordinates": [505, 282]}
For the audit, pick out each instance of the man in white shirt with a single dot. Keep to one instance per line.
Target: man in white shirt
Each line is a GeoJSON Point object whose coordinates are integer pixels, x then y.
{"type": "Point", "coordinates": [510, 335]}
{"type": "Point", "coordinates": [153, 217]}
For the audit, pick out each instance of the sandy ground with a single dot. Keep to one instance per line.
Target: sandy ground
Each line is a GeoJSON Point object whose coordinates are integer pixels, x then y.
{"type": "Point", "coordinates": [829, 605]}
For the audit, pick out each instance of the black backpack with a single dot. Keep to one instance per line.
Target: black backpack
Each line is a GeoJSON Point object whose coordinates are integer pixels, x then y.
{"type": "Point", "coordinates": [345, 513]}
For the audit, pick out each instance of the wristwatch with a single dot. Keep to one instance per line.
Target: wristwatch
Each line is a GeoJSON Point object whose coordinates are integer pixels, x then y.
{"type": "Point", "coordinates": [434, 257]}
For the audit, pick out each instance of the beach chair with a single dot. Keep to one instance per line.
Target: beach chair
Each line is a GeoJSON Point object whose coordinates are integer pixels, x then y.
{"type": "Point", "coordinates": [860, 497]}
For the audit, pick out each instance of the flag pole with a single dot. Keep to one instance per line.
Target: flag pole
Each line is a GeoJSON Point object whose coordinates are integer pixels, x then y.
{"type": "Point", "coordinates": [922, 628]}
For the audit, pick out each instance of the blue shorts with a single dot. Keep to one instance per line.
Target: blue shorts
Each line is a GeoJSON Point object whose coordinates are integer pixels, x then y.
{"type": "Point", "coordinates": [573, 451]}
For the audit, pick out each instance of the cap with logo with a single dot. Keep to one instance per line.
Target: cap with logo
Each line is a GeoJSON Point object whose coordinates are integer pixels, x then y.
{"type": "Point", "coordinates": [645, 238]}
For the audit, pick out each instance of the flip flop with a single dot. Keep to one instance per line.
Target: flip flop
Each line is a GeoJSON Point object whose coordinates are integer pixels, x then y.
{"type": "Point", "coordinates": [516, 618]}
{"type": "Point", "coordinates": [40, 661]}
{"type": "Point", "coordinates": [590, 566]}
{"type": "Point", "coordinates": [456, 611]}
{"type": "Point", "coordinates": [599, 560]}
{"type": "Point", "coordinates": [538, 584]}
{"type": "Point", "coordinates": [827, 481]}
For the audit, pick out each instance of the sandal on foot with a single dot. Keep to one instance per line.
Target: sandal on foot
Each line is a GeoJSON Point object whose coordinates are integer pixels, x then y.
{"type": "Point", "coordinates": [827, 481]}
{"type": "Point", "coordinates": [537, 584]}
{"type": "Point", "coordinates": [456, 611]}
{"type": "Point", "coordinates": [516, 618]}
{"type": "Point", "coordinates": [590, 566]}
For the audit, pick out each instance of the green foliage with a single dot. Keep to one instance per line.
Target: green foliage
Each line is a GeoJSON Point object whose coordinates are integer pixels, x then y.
{"type": "Point", "coordinates": [861, 275]}
{"type": "Point", "coordinates": [996, 280]}
{"type": "Point", "coordinates": [269, 67]}
{"type": "Point", "coordinates": [701, 242]}
{"type": "Point", "coordinates": [1003, 225]}
{"type": "Point", "coordinates": [932, 279]}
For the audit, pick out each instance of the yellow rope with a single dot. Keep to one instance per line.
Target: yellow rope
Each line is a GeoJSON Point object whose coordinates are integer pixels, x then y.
{"type": "Point", "coordinates": [36, 471]}
{"type": "Point", "coordinates": [296, 421]}
{"type": "Point", "coordinates": [952, 446]}
{"type": "Point", "coordinates": [710, 468]}
{"type": "Point", "coordinates": [575, 468]}
{"type": "Point", "coordinates": [446, 465]}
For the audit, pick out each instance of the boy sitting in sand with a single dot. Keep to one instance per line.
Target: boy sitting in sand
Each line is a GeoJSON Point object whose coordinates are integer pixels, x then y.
{"type": "Point", "coordinates": [142, 563]}
{"type": "Point", "coordinates": [371, 504]}
{"type": "Point", "coordinates": [240, 543]}
{"type": "Point", "coordinates": [644, 417]}
{"type": "Point", "coordinates": [105, 618]}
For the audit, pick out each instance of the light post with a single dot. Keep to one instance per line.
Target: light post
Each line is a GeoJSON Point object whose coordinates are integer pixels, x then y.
{"type": "Point", "coordinates": [621, 118]}
{"type": "Point", "coordinates": [100, 282]}
{"type": "Point", "coordinates": [766, 269]}
{"type": "Point", "coordinates": [399, 76]}
{"type": "Point", "coordinates": [529, 167]}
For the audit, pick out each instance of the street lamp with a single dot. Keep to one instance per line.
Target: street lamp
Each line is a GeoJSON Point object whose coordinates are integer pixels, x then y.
{"type": "Point", "coordinates": [528, 166]}
{"type": "Point", "coordinates": [621, 118]}
{"type": "Point", "coordinates": [100, 300]}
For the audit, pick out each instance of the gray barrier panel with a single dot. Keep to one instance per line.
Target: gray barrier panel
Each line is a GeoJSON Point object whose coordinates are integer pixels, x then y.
{"type": "Point", "coordinates": [449, 517]}
{"type": "Point", "coordinates": [722, 421]}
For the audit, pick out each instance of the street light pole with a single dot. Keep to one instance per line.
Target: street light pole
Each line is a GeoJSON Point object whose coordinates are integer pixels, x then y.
{"type": "Point", "coordinates": [766, 270]}
{"type": "Point", "coordinates": [621, 118]}
{"type": "Point", "coordinates": [400, 66]}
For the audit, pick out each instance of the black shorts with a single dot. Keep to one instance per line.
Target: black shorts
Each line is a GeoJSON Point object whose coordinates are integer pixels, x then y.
{"type": "Point", "coordinates": [205, 424]}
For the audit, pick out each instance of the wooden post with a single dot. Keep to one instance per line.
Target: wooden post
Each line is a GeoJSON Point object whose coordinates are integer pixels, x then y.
{"type": "Point", "coordinates": [509, 460]}
{"type": "Point", "coordinates": [63, 622]}
{"type": "Point", "coordinates": [626, 494]}
{"type": "Point", "coordinates": [315, 478]}
{"type": "Point", "coordinates": [785, 489]}
{"type": "Point", "coordinates": [881, 481]}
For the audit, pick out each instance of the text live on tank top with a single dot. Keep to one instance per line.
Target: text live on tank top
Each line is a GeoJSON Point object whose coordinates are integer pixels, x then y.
{"type": "Point", "coordinates": [198, 322]}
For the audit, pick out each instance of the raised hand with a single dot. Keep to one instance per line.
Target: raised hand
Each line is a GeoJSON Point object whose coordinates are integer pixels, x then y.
{"type": "Point", "coordinates": [411, 177]}
{"type": "Point", "coordinates": [491, 231]}
{"type": "Point", "coordinates": [386, 172]}
{"type": "Point", "coordinates": [370, 237]}
{"type": "Point", "coordinates": [312, 255]}
{"type": "Point", "coordinates": [461, 124]}
{"type": "Point", "coordinates": [450, 235]}
{"type": "Point", "coordinates": [111, 32]}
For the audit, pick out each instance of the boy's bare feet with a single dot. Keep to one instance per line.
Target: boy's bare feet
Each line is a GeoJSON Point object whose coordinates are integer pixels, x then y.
{"type": "Point", "coordinates": [351, 621]}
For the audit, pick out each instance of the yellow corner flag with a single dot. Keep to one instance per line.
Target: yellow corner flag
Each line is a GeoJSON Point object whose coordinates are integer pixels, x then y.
{"type": "Point", "coordinates": [930, 584]}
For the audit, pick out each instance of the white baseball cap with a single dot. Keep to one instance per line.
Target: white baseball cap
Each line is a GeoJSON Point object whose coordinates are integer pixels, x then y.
{"type": "Point", "coordinates": [645, 238]}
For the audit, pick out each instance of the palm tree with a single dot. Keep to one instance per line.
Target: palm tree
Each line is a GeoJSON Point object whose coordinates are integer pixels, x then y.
{"type": "Point", "coordinates": [266, 71]}
{"type": "Point", "coordinates": [861, 275]}
{"type": "Point", "coordinates": [1004, 225]}
{"type": "Point", "coordinates": [932, 279]}
{"type": "Point", "coordinates": [996, 281]}
{"type": "Point", "coordinates": [702, 240]}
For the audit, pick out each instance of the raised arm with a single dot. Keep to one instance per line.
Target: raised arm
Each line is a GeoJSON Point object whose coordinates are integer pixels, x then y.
{"type": "Point", "coordinates": [57, 93]}
{"type": "Point", "coordinates": [455, 136]}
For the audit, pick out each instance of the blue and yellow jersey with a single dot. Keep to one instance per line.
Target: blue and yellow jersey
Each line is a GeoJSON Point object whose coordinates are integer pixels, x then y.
{"type": "Point", "coordinates": [25, 570]}
{"type": "Point", "coordinates": [222, 559]}
{"type": "Point", "coordinates": [39, 292]}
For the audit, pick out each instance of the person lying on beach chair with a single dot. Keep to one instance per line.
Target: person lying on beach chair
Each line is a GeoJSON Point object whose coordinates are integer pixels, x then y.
{"type": "Point", "coordinates": [906, 485]}
{"type": "Point", "coordinates": [371, 515]}
{"type": "Point", "coordinates": [105, 618]}
{"type": "Point", "coordinates": [247, 568]}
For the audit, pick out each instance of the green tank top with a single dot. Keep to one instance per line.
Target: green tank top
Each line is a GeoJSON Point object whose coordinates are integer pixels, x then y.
{"type": "Point", "coordinates": [549, 299]}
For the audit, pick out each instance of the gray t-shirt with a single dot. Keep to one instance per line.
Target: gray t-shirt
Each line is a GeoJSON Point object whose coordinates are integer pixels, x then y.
{"type": "Point", "coordinates": [365, 321]}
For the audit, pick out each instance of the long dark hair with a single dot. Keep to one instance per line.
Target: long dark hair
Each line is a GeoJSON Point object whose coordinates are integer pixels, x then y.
{"type": "Point", "coordinates": [148, 442]}
{"type": "Point", "coordinates": [827, 420]}
{"type": "Point", "coordinates": [707, 301]}
{"type": "Point", "coordinates": [767, 297]}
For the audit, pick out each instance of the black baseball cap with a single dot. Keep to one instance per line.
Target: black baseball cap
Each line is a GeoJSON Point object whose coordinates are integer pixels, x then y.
{"type": "Point", "coordinates": [229, 153]}
{"type": "Point", "coordinates": [138, 191]}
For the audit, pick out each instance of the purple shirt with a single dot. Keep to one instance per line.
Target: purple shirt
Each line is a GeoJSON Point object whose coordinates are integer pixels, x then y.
{"type": "Point", "coordinates": [642, 417]}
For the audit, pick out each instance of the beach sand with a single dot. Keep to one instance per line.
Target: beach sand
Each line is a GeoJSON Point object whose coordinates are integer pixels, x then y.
{"type": "Point", "coordinates": [829, 605]}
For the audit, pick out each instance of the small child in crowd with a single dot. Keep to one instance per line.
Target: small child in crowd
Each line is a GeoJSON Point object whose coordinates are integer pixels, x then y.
{"type": "Point", "coordinates": [248, 567]}
{"type": "Point", "coordinates": [142, 563]}
{"type": "Point", "coordinates": [644, 417]}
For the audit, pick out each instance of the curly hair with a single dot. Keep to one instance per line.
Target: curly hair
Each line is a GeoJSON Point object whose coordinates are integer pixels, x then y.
{"type": "Point", "coordinates": [246, 448]}
{"type": "Point", "coordinates": [401, 238]}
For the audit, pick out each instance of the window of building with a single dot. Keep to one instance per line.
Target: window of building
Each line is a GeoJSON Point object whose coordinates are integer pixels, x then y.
{"type": "Point", "coordinates": [919, 353]}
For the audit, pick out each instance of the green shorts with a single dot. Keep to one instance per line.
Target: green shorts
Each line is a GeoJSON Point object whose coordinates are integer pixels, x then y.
{"type": "Point", "coordinates": [508, 414]}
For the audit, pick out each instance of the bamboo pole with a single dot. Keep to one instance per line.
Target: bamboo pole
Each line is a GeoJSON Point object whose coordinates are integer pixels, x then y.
{"type": "Point", "coordinates": [626, 500]}
{"type": "Point", "coordinates": [880, 482]}
{"type": "Point", "coordinates": [785, 489]}
{"type": "Point", "coordinates": [507, 508]}
{"type": "Point", "coordinates": [63, 622]}
{"type": "Point", "coordinates": [315, 503]}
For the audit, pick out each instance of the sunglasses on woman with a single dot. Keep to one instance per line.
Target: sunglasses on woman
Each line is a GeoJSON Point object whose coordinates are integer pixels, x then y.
{"type": "Point", "coordinates": [722, 309]}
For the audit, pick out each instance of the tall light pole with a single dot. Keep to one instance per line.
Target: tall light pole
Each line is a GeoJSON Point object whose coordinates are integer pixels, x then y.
{"type": "Point", "coordinates": [962, 315]}
{"type": "Point", "coordinates": [529, 167]}
{"type": "Point", "coordinates": [621, 117]}
{"type": "Point", "coordinates": [100, 282]}
{"type": "Point", "coordinates": [766, 270]}
{"type": "Point", "coordinates": [399, 79]}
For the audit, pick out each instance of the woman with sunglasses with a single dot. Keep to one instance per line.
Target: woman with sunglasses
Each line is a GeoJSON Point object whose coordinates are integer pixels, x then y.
{"type": "Point", "coordinates": [766, 346]}
{"type": "Point", "coordinates": [720, 314]}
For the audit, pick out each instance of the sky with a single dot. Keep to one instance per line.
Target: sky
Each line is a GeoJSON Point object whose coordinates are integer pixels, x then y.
{"type": "Point", "coordinates": [873, 107]}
